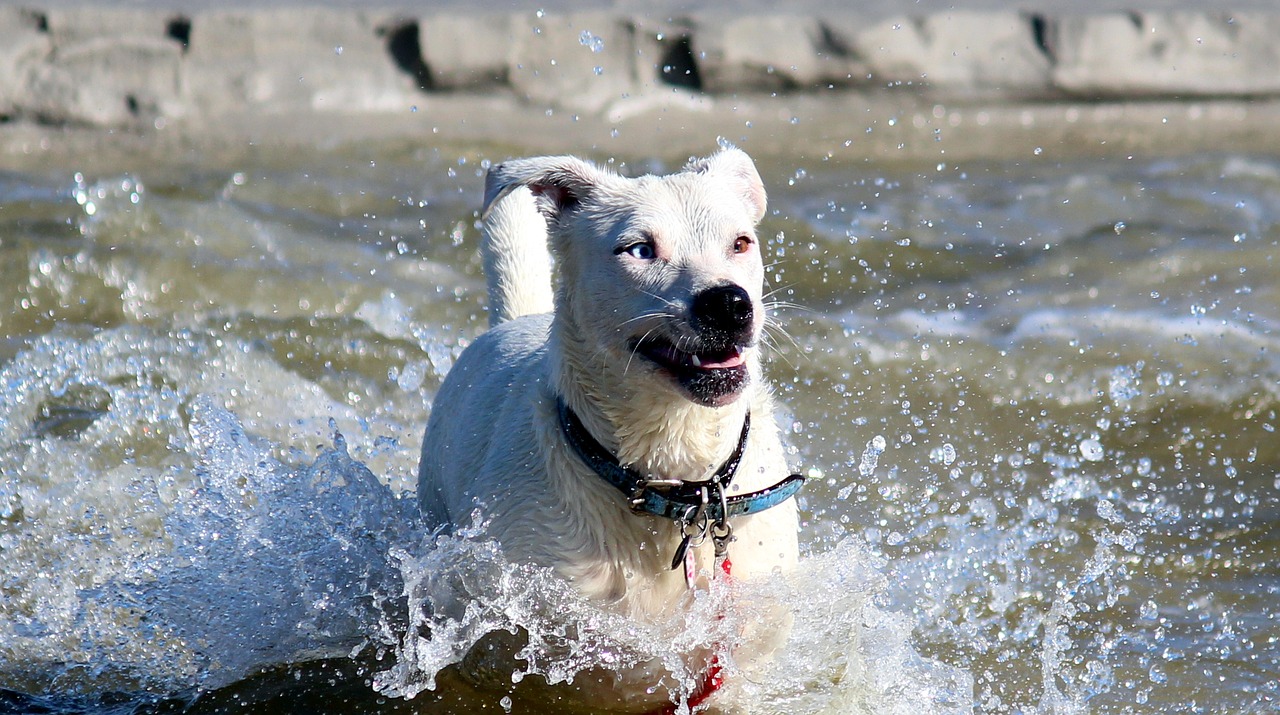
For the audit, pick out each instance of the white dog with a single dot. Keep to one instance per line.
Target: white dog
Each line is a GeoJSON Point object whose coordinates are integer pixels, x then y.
{"type": "Point", "coordinates": [626, 438]}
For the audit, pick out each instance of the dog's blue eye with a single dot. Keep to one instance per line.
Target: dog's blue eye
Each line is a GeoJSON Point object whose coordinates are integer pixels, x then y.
{"type": "Point", "coordinates": [643, 251]}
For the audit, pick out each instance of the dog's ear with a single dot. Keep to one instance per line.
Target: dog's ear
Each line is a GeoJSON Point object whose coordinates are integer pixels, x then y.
{"type": "Point", "coordinates": [558, 183]}
{"type": "Point", "coordinates": [734, 166]}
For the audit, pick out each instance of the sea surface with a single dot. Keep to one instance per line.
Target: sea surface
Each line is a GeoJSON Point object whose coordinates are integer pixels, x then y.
{"type": "Point", "coordinates": [1037, 401]}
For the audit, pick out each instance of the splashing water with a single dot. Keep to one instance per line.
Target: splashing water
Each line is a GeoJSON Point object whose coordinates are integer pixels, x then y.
{"type": "Point", "coordinates": [463, 592]}
{"type": "Point", "coordinates": [1040, 484]}
{"type": "Point", "coordinates": [205, 559]}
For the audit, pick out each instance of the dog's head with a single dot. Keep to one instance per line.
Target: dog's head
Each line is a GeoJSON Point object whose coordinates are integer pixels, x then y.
{"type": "Point", "coordinates": [659, 275]}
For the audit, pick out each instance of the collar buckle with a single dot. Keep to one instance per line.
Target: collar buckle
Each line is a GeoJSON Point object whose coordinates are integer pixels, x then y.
{"type": "Point", "coordinates": [637, 498]}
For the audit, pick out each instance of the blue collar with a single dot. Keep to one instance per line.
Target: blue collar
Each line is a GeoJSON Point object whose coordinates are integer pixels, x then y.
{"type": "Point", "coordinates": [681, 501]}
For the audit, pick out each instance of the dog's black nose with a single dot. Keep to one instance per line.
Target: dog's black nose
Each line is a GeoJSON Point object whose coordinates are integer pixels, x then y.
{"type": "Point", "coordinates": [724, 309]}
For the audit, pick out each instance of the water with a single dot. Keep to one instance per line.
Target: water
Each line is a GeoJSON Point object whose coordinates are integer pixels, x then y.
{"type": "Point", "coordinates": [1037, 402]}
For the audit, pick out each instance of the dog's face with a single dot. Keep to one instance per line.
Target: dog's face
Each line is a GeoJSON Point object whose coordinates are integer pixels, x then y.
{"type": "Point", "coordinates": [671, 274]}
{"type": "Point", "coordinates": [662, 275]}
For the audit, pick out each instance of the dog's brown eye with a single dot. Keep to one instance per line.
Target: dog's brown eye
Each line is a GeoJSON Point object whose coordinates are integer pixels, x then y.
{"type": "Point", "coordinates": [741, 244]}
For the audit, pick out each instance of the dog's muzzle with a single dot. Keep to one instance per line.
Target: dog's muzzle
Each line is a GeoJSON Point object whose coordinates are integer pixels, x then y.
{"type": "Point", "coordinates": [712, 366]}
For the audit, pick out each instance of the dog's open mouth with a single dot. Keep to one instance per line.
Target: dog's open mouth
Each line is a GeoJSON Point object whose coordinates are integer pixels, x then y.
{"type": "Point", "coordinates": [711, 375]}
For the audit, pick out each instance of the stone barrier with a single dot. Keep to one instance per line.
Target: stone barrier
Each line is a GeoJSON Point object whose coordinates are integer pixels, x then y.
{"type": "Point", "coordinates": [122, 67]}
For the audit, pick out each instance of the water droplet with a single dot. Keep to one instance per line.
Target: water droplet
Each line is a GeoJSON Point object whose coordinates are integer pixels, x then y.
{"type": "Point", "coordinates": [1124, 384]}
{"type": "Point", "coordinates": [1119, 227]}
{"type": "Point", "coordinates": [945, 454]}
{"type": "Point", "coordinates": [1107, 510]}
{"type": "Point", "coordinates": [1091, 450]}
{"type": "Point", "coordinates": [871, 456]}
{"type": "Point", "coordinates": [591, 40]}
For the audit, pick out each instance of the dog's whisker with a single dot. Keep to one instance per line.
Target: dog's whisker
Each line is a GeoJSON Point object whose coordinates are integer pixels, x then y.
{"type": "Point", "coordinates": [772, 331]}
{"type": "Point", "coordinates": [659, 315]}
{"type": "Point", "coordinates": [647, 316]}
{"type": "Point", "coordinates": [779, 305]}
{"type": "Point", "coordinates": [767, 340]}
{"type": "Point", "coordinates": [774, 291]}
{"type": "Point", "coordinates": [636, 349]}
{"type": "Point", "coordinates": [665, 301]}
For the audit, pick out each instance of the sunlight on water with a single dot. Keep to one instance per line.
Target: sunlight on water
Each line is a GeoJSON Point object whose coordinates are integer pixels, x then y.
{"type": "Point", "coordinates": [1037, 404]}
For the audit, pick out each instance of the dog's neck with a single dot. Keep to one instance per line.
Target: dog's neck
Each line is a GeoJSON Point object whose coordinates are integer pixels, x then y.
{"type": "Point", "coordinates": [652, 428]}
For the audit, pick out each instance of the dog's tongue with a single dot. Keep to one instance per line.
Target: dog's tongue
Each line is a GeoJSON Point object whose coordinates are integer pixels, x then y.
{"type": "Point", "coordinates": [673, 357]}
{"type": "Point", "coordinates": [711, 361]}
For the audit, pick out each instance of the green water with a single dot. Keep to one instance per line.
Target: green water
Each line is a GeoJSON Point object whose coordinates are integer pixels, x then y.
{"type": "Point", "coordinates": [1037, 400]}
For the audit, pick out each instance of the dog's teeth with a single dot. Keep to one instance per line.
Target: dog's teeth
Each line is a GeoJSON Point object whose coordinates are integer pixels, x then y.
{"type": "Point", "coordinates": [694, 359]}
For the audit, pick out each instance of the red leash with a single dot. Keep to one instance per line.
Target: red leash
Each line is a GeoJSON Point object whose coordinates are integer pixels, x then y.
{"type": "Point", "coordinates": [712, 680]}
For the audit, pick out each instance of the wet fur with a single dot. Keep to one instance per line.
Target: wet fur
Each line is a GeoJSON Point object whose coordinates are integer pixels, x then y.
{"type": "Point", "coordinates": [493, 442]}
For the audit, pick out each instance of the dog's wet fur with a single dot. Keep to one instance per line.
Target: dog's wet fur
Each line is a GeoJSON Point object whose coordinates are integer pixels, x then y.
{"type": "Point", "coordinates": [652, 336]}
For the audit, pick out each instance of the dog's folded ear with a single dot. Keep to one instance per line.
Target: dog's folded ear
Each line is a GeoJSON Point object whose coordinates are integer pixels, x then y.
{"type": "Point", "coordinates": [735, 167]}
{"type": "Point", "coordinates": [558, 183]}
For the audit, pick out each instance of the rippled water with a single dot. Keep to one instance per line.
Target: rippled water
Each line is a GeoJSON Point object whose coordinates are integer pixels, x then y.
{"type": "Point", "coordinates": [1038, 401]}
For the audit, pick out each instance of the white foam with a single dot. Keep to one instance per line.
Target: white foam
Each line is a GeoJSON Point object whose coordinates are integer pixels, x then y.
{"type": "Point", "coordinates": [162, 543]}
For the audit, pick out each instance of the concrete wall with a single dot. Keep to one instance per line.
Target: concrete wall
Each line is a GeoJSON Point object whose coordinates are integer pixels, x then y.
{"type": "Point", "coordinates": [151, 65]}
